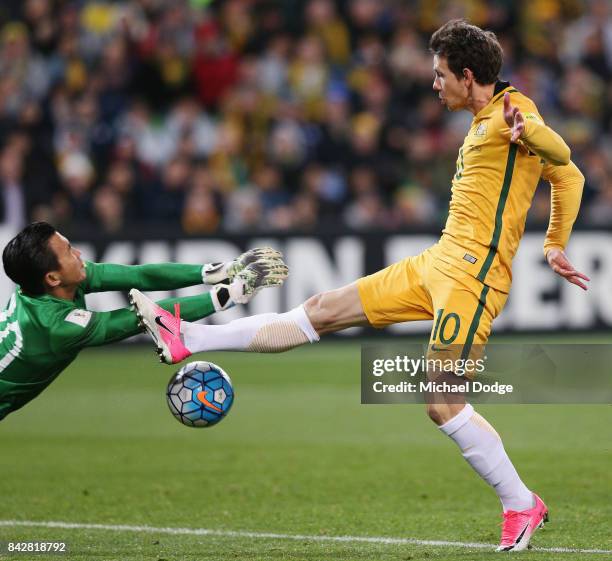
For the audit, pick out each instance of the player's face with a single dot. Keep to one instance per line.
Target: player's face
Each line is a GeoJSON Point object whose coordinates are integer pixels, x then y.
{"type": "Point", "coordinates": [452, 92]}
{"type": "Point", "coordinates": [72, 268]}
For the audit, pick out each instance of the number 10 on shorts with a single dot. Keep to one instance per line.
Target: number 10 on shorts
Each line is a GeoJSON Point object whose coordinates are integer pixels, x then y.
{"type": "Point", "coordinates": [445, 325]}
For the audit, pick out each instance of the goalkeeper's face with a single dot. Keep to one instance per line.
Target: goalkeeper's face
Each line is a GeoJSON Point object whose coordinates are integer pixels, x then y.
{"type": "Point", "coordinates": [71, 267]}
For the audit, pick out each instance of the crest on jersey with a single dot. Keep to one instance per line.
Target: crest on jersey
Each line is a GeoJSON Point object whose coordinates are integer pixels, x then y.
{"type": "Point", "coordinates": [79, 317]}
{"type": "Point", "coordinates": [481, 130]}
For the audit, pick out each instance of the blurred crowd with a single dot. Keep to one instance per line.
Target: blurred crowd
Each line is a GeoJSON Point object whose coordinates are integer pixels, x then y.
{"type": "Point", "coordinates": [246, 115]}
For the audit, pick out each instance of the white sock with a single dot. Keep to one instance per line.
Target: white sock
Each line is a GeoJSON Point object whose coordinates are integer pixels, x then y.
{"type": "Point", "coordinates": [263, 333]}
{"type": "Point", "coordinates": [482, 447]}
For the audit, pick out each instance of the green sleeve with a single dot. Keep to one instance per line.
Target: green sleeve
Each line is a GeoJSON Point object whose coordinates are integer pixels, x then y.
{"type": "Point", "coordinates": [101, 328]}
{"type": "Point", "coordinates": [192, 307]}
{"type": "Point", "coordinates": [159, 276]}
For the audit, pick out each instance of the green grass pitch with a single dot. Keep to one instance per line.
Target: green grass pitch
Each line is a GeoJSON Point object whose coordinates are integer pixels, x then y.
{"type": "Point", "coordinates": [297, 455]}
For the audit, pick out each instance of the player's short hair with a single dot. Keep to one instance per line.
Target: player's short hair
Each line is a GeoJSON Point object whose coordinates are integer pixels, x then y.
{"type": "Point", "coordinates": [27, 258]}
{"type": "Point", "coordinates": [467, 46]}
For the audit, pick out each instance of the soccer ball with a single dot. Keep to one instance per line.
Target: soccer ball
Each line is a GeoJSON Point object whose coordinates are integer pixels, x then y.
{"type": "Point", "coordinates": [200, 394]}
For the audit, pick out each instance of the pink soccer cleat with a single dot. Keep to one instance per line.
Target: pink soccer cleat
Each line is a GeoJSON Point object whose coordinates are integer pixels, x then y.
{"type": "Point", "coordinates": [518, 527]}
{"type": "Point", "coordinates": [164, 328]}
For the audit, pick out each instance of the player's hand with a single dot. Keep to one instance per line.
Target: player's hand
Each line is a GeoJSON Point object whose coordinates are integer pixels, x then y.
{"type": "Point", "coordinates": [216, 273]}
{"type": "Point", "coordinates": [256, 254]}
{"type": "Point", "coordinates": [560, 264]}
{"type": "Point", "coordinates": [514, 119]}
{"type": "Point", "coordinates": [255, 276]}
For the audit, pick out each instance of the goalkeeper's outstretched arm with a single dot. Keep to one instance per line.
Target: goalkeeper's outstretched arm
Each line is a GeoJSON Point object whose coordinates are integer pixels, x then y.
{"type": "Point", "coordinates": [171, 276]}
{"type": "Point", "coordinates": [102, 328]}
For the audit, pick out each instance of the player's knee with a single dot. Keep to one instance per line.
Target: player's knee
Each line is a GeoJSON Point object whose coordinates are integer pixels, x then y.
{"type": "Point", "coordinates": [320, 313]}
{"type": "Point", "coordinates": [441, 413]}
{"type": "Point", "coordinates": [437, 412]}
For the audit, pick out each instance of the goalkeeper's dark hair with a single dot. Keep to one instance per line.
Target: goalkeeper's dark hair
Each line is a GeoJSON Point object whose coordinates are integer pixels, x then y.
{"type": "Point", "coordinates": [467, 46]}
{"type": "Point", "coordinates": [27, 258]}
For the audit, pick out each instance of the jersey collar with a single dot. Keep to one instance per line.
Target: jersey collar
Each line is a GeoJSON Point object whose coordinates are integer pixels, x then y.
{"type": "Point", "coordinates": [500, 89]}
{"type": "Point", "coordinates": [500, 86]}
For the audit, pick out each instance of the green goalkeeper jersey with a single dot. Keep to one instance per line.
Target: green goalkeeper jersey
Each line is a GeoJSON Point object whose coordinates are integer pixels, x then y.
{"type": "Point", "coordinates": [41, 335]}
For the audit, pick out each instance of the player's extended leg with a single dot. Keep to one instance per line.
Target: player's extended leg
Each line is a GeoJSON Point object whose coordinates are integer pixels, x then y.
{"type": "Point", "coordinates": [263, 333]}
{"type": "Point", "coordinates": [272, 333]}
{"type": "Point", "coordinates": [391, 295]}
{"type": "Point", "coordinates": [464, 311]}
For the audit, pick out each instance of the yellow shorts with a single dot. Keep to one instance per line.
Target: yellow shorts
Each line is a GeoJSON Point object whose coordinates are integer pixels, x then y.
{"type": "Point", "coordinates": [424, 287]}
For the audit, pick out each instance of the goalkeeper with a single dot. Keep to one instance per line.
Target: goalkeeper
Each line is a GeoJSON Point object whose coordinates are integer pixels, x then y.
{"type": "Point", "coordinates": [46, 323]}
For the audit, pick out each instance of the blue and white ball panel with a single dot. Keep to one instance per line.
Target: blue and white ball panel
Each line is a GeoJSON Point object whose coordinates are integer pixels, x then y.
{"type": "Point", "coordinates": [189, 382]}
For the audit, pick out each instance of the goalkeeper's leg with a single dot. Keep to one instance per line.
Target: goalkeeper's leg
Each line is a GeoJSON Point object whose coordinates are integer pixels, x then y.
{"type": "Point", "coordinates": [272, 333]}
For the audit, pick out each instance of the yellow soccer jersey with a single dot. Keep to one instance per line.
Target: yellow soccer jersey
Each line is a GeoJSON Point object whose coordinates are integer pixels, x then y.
{"type": "Point", "coordinates": [493, 188]}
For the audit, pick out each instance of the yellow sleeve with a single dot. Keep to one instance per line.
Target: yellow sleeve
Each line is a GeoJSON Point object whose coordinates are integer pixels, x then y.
{"type": "Point", "coordinates": [544, 141]}
{"type": "Point", "coordinates": [566, 184]}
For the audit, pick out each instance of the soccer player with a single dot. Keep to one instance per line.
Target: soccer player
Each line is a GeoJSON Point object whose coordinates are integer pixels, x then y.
{"type": "Point", "coordinates": [462, 281]}
{"type": "Point", "coordinates": [46, 323]}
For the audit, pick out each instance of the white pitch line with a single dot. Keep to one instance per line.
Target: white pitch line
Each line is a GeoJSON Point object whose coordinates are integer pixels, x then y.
{"type": "Point", "coordinates": [268, 535]}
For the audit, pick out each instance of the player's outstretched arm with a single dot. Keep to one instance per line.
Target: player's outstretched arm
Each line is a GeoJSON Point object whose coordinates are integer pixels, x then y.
{"type": "Point", "coordinates": [101, 328]}
{"type": "Point", "coordinates": [535, 135]}
{"type": "Point", "coordinates": [566, 183]}
{"type": "Point", "coordinates": [171, 276]}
